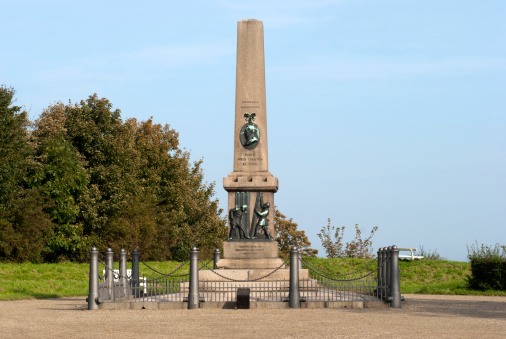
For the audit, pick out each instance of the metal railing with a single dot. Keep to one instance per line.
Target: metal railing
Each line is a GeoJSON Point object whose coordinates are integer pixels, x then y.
{"type": "Point", "coordinates": [368, 283]}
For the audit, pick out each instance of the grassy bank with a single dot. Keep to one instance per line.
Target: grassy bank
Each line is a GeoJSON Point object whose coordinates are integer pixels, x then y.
{"type": "Point", "coordinates": [21, 281]}
{"type": "Point", "coordinates": [26, 280]}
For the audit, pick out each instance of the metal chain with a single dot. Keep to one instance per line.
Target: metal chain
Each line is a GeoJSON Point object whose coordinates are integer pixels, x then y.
{"type": "Point", "coordinates": [164, 278]}
{"type": "Point", "coordinates": [337, 275]}
{"type": "Point", "coordinates": [205, 265]}
{"type": "Point", "coordinates": [253, 280]}
{"type": "Point", "coordinates": [343, 280]}
{"type": "Point", "coordinates": [165, 274]}
{"type": "Point", "coordinates": [179, 275]}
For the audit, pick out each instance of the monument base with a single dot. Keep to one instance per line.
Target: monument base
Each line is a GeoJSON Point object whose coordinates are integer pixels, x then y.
{"type": "Point", "coordinates": [250, 263]}
{"type": "Point", "coordinates": [249, 275]}
{"type": "Point", "coordinates": [250, 255]}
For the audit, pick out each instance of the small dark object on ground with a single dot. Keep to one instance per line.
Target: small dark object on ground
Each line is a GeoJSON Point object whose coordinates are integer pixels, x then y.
{"type": "Point", "coordinates": [243, 298]}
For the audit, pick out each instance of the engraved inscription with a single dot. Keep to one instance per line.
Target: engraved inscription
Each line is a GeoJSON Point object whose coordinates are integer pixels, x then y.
{"type": "Point", "coordinates": [249, 104]}
{"type": "Point", "coordinates": [250, 159]}
{"type": "Point", "coordinates": [247, 249]}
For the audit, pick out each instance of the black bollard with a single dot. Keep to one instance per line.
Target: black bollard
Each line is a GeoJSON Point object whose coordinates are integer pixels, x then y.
{"type": "Point", "coordinates": [109, 272]}
{"type": "Point", "coordinates": [193, 295]}
{"type": "Point", "coordinates": [217, 257]}
{"type": "Point", "coordinates": [93, 286]}
{"type": "Point", "coordinates": [123, 273]}
{"type": "Point", "coordinates": [395, 284]}
{"type": "Point", "coordinates": [294, 292]}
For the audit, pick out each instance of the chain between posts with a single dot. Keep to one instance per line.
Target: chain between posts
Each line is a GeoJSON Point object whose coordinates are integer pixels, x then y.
{"type": "Point", "coordinates": [253, 280]}
{"type": "Point", "coordinates": [205, 264]}
{"type": "Point", "coordinates": [167, 274]}
{"type": "Point", "coordinates": [343, 280]}
{"type": "Point", "coordinates": [316, 270]}
{"type": "Point", "coordinates": [170, 273]}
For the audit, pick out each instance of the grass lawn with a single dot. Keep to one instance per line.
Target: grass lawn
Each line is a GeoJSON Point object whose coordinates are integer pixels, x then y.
{"type": "Point", "coordinates": [26, 280]}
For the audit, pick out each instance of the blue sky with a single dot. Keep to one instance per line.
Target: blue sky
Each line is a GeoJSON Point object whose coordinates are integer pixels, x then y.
{"type": "Point", "coordinates": [382, 113]}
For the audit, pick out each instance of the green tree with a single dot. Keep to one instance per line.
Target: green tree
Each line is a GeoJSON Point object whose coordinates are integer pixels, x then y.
{"type": "Point", "coordinates": [287, 236]}
{"type": "Point", "coordinates": [332, 241]}
{"type": "Point", "coordinates": [84, 177]}
{"type": "Point", "coordinates": [125, 184]}
{"type": "Point", "coordinates": [62, 178]}
{"type": "Point", "coordinates": [24, 226]}
{"type": "Point", "coordinates": [14, 147]}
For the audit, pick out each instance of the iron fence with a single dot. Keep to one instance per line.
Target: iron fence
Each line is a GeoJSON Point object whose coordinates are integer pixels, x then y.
{"type": "Point", "coordinates": [378, 280]}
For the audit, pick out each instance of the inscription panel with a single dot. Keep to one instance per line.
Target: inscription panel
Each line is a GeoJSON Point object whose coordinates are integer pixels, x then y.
{"type": "Point", "coordinates": [250, 250]}
{"type": "Point", "coordinates": [250, 104]}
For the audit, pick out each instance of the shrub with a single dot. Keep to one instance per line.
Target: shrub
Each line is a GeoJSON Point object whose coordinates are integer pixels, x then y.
{"type": "Point", "coordinates": [332, 241]}
{"type": "Point", "coordinates": [488, 267]}
{"type": "Point", "coordinates": [429, 254]}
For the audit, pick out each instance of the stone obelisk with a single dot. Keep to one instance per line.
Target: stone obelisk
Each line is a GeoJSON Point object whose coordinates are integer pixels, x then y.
{"type": "Point", "coordinates": [250, 186]}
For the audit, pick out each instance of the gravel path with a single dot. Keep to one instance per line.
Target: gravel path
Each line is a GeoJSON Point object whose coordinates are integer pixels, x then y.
{"type": "Point", "coordinates": [421, 316]}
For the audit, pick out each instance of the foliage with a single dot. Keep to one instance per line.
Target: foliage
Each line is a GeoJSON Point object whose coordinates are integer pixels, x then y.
{"type": "Point", "coordinates": [429, 254]}
{"type": "Point", "coordinates": [14, 147]}
{"type": "Point", "coordinates": [96, 180]}
{"type": "Point", "coordinates": [358, 247]}
{"type": "Point", "coordinates": [332, 241]}
{"type": "Point", "coordinates": [488, 267]}
{"type": "Point", "coordinates": [287, 236]}
{"type": "Point", "coordinates": [24, 226]}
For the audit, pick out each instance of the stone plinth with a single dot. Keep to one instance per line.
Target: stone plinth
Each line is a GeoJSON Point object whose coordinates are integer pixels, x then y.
{"type": "Point", "coordinates": [250, 255]}
{"type": "Point", "coordinates": [250, 274]}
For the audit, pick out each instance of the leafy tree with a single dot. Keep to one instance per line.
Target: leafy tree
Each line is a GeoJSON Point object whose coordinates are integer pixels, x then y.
{"type": "Point", "coordinates": [122, 184]}
{"type": "Point", "coordinates": [14, 147]}
{"type": "Point", "coordinates": [287, 236]}
{"type": "Point", "coordinates": [62, 178]}
{"type": "Point", "coordinates": [332, 241]}
{"type": "Point", "coordinates": [24, 227]}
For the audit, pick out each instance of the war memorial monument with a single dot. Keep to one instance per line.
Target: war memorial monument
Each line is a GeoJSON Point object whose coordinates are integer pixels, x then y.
{"type": "Point", "coordinates": [250, 251]}
{"type": "Point", "coordinates": [249, 267]}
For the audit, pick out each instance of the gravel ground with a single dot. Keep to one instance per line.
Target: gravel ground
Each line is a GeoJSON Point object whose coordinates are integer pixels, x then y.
{"type": "Point", "coordinates": [421, 316]}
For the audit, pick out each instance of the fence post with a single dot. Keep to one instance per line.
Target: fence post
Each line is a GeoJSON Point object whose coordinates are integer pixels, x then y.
{"type": "Point", "coordinates": [193, 295]}
{"type": "Point", "coordinates": [388, 253]}
{"type": "Point", "coordinates": [384, 273]}
{"type": "Point", "coordinates": [217, 257]}
{"type": "Point", "coordinates": [380, 272]}
{"type": "Point", "coordinates": [93, 286]}
{"type": "Point", "coordinates": [135, 282]}
{"type": "Point", "coordinates": [123, 272]}
{"type": "Point", "coordinates": [294, 292]}
{"type": "Point", "coordinates": [109, 272]}
{"type": "Point", "coordinates": [395, 284]}
{"type": "Point", "coordinates": [300, 259]}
